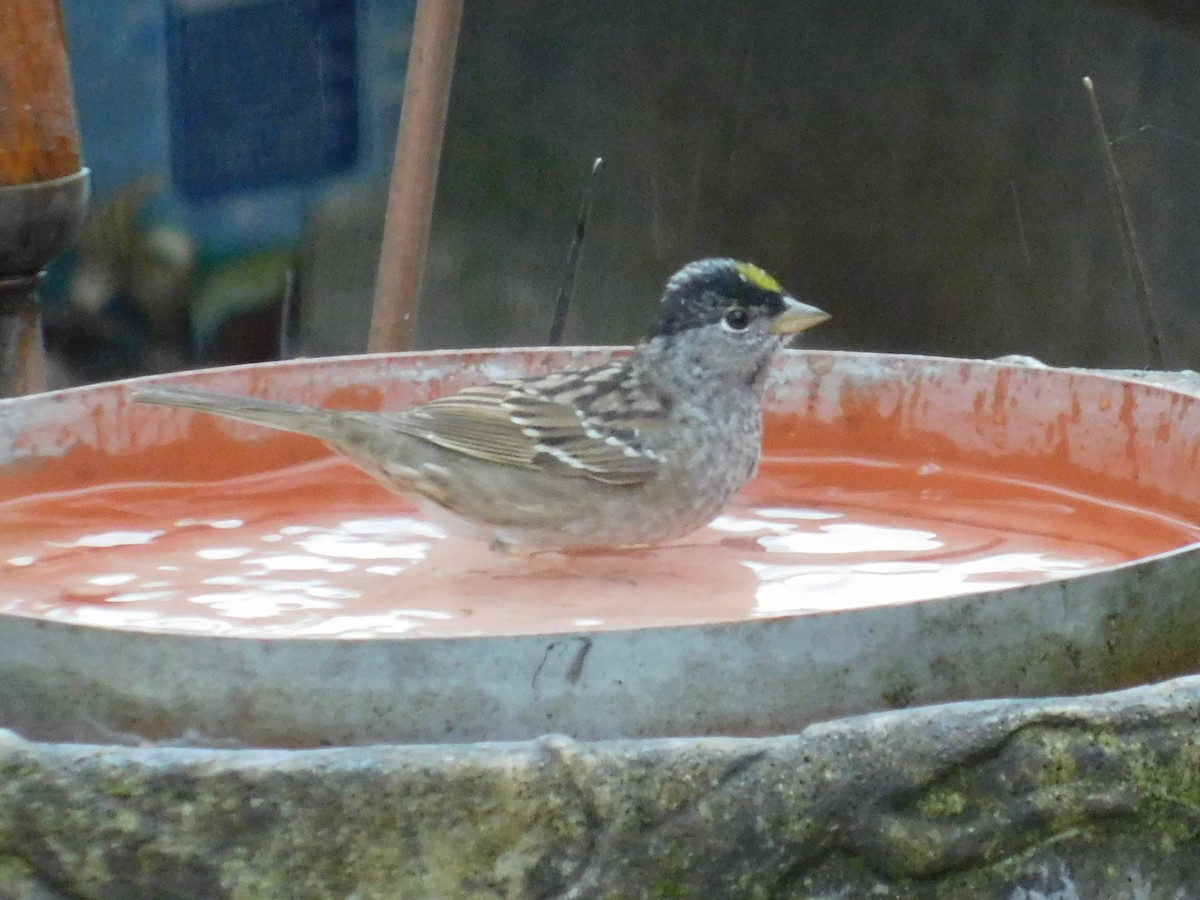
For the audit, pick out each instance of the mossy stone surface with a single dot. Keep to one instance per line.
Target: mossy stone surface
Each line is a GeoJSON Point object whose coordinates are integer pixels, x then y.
{"type": "Point", "coordinates": [1089, 797]}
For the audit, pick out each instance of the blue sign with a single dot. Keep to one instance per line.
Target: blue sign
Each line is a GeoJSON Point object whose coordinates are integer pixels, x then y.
{"type": "Point", "coordinates": [261, 93]}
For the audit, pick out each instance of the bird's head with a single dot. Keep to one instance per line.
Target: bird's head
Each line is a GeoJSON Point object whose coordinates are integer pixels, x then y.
{"type": "Point", "coordinates": [727, 319]}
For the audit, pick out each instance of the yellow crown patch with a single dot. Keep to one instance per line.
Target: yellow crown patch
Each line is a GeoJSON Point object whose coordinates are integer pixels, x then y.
{"type": "Point", "coordinates": [759, 278]}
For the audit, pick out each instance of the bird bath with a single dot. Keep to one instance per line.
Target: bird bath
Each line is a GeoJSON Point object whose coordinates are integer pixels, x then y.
{"type": "Point", "coordinates": [922, 530]}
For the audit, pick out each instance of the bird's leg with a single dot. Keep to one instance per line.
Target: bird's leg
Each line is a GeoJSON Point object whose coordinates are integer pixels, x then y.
{"type": "Point", "coordinates": [503, 547]}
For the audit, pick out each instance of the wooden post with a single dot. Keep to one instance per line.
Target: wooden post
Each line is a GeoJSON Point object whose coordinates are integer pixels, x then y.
{"type": "Point", "coordinates": [43, 187]}
{"type": "Point", "coordinates": [414, 173]}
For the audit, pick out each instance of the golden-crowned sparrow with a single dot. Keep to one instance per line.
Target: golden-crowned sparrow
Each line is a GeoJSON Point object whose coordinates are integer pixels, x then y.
{"type": "Point", "coordinates": [641, 449]}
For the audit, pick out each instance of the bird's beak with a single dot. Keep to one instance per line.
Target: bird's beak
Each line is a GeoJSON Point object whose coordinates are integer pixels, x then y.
{"type": "Point", "coordinates": [797, 317]}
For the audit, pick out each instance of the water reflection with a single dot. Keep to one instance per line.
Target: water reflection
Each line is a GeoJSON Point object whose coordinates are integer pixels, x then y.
{"type": "Point", "coordinates": [256, 566]}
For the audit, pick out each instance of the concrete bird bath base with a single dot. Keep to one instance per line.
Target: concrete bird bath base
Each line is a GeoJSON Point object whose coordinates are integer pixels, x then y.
{"type": "Point", "coordinates": [681, 787]}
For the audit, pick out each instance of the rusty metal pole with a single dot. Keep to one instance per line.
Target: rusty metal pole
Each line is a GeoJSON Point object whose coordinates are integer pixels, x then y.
{"type": "Point", "coordinates": [43, 186]}
{"type": "Point", "coordinates": [414, 173]}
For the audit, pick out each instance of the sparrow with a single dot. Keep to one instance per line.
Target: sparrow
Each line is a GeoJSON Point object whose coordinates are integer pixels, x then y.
{"type": "Point", "coordinates": [641, 449]}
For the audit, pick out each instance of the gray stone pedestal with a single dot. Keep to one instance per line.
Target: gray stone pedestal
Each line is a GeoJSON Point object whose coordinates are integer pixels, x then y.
{"type": "Point", "coordinates": [1095, 797]}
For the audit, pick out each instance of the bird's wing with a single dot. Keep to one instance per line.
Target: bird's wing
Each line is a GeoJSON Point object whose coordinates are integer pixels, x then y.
{"type": "Point", "coordinates": [591, 423]}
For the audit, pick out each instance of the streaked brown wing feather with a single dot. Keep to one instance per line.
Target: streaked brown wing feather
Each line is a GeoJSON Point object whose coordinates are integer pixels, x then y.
{"type": "Point", "coordinates": [546, 423]}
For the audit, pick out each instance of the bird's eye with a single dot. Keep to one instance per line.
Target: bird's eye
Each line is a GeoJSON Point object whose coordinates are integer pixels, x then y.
{"type": "Point", "coordinates": [737, 319]}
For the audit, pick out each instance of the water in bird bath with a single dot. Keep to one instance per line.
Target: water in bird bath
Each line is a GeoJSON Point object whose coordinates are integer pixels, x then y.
{"type": "Point", "coordinates": [317, 549]}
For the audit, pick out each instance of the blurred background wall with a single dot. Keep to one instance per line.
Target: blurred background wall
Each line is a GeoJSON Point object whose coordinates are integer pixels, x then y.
{"type": "Point", "coordinates": [926, 171]}
{"type": "Point", "coordinates": [219, 133]}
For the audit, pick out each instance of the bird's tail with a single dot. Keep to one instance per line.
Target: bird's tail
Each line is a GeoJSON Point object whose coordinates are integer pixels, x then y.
{"type": "Point", "coordinates": [319, 423]}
